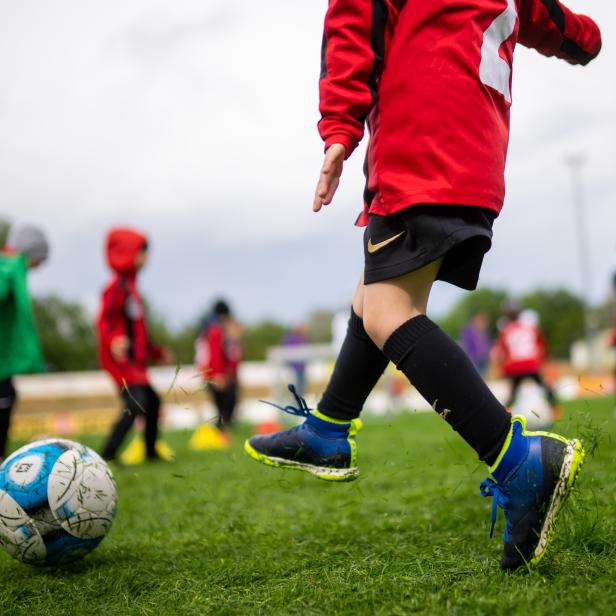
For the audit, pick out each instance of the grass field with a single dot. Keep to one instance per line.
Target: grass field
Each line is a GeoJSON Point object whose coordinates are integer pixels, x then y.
{"type": "Point", "coordinates": [216, 533]}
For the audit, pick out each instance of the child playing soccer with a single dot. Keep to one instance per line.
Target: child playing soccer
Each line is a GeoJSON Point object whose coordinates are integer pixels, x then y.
{"type": "Point", "coordinates": [432, 79]}
{"type": "Point", "coordinates": [521, 351]}
{"type": "Point", "coordinates": [124, 344]}
{"type": "Point", "coordinates": [20, 350]}
{"type": "Point", "coordinates": [219, 354]}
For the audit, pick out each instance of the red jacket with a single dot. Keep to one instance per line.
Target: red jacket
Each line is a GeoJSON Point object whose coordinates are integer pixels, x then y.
{"type": "Point", "coordinates": [432, 78]}
{"type": "Point", "coordinates": [218, 355]}
{"type": "Point", "coordinates": [521, 348]}
{"type": "Point", "coordinates": [122, 312]}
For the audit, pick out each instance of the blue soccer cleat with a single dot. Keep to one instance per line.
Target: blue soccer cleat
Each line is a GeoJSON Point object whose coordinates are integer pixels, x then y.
{"type": "Point", "coordinates": [533, 476]}
{"type": "Point", "coordinates": [321, 446]}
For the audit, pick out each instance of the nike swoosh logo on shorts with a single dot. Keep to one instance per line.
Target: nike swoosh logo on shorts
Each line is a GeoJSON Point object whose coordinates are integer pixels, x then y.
{"type": "Point", "coordinates": [372, 248]}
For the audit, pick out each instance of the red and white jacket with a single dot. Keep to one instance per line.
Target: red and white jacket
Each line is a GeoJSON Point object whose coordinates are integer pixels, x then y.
{"type": "Point", "coordinates": [520, 349]}
{"type": "Point", "coordinates": [432, 79]}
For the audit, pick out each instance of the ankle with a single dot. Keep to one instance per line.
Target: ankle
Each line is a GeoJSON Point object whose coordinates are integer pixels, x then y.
{"type": "Point", "coordinates": [513, 452]}
{"type": "Point", "coordinates": [328, 426]}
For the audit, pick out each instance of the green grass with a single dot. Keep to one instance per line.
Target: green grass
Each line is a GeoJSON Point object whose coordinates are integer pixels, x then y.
{"type": "Point", "coordinates": [216, 533]}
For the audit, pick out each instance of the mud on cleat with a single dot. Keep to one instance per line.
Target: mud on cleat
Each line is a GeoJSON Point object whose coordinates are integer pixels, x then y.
{"type": "Point", "coordinates": [321, 446]}
{"type": "Point", "coordinates": [533, 476]}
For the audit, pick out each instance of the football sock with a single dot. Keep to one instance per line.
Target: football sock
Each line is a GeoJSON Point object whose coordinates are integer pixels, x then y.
{"type": "Point", "coordinates": [327, 426]}
{"type": "Point", "coordinates": [359, 366]}
{"type": "Point", "coordinates": [444, 375]}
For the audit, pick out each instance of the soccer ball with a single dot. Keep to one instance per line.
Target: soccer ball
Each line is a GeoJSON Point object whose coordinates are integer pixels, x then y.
{"type": "Point", "coordinates": [57, 502]}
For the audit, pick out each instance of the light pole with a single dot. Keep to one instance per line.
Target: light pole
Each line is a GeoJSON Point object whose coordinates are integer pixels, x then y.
{"type": "Point", "coordinates": [575, 162]}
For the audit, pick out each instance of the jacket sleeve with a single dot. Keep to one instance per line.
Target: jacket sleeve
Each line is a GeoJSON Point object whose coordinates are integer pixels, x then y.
{"type": "Point", "coordinates": [9, 266]}
{"type": "Point", "coordinates": [355, 37]}
{"type": "Point", "coordinates": [110, 319]}
{"type": "Point", "coordinates": [553, 30]}
{"type": "Point", "coordinates": [5, 286]}
{"type": "Point", "coordinates": [155, 351]}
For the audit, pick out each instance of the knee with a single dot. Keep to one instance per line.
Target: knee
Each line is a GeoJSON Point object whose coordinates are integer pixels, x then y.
{"type": "Point", "coordinates": [376, 326]}
{"type": "Point", "coordinates": [380, 322]}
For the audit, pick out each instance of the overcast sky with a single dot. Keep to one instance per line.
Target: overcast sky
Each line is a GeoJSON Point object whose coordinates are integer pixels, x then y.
{"type": "Point", "coordinates": [196, 121]}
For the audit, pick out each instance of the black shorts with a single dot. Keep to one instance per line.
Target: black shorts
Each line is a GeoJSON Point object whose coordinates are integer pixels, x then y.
{"type": "Point", "coordinates": [407, 241]}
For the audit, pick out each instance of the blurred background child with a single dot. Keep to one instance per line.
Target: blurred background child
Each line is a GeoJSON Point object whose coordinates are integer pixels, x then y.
{"type": "Point", "coordinates": [475, 340]}
{"type": "Point", "coordinates": [521, 351]}
{"type": "Point", "coordinates": [219, 353]}
{"type": "Point", "coordinates": [20, 350]}
{"type": "Point", "coordinates": [124, 344]}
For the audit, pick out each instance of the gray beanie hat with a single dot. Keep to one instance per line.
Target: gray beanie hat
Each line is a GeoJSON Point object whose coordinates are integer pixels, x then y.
{"type": "Point", "coordinates": [30, 241]}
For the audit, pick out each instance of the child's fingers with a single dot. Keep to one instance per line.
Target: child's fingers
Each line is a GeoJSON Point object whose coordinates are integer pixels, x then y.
{"type": "Point", "coordinates": [331, 191]}
{"type": "Point", "coordinates": [320, 192]}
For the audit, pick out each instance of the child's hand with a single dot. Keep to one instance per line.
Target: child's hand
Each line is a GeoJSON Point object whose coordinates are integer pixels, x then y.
{"type": "Point", "coordinates": [330, 176]}
{"type": "Point", "coordinates": [219, 381]}
{"type": "Point", "coordinates": [119, 348]}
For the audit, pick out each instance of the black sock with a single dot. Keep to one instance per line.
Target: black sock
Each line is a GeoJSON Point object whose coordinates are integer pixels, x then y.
{"type": "Point", "coordinates": [444, 375]}
{"type": "Point", "coordinates": [358, 368]}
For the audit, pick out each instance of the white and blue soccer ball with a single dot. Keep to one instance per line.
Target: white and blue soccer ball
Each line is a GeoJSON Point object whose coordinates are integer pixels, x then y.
{"type": "Point", "coordinates": [57, 502]}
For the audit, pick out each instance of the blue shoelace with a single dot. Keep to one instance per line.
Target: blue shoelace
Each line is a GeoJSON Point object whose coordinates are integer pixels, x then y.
{"type": "Point", "coordinates": [301, 410]}
{"type": "Point", "coordinates": [500, 498]}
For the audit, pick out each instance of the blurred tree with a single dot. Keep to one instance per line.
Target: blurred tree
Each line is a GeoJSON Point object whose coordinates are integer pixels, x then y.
{"type": "Point", "coordinates": [67, 334]}
{"type": "Point", "coordinates": [486, 300]}
{"type": "Point", "coordinates": [260, 337]}
{"type": "Point", "coordinates": [561, 315]}
{"type": "Point", "coordinates": [605, 314]}
{"type": "Point", "coordinates": [4, 232]}
{"type": "Point", "coordinates": [69, 340]}
{"type": "Point", "coordinates": [181, 342]}
{"type": "Point", "coordinates": [320, 326]}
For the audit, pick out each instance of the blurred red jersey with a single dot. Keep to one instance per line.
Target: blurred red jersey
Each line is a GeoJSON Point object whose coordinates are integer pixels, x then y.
{"type": "Point", "coordinates": [218, 354]}
{"type": "Point", "coordinates": [432, 78]}
{"type": "Point", "coordinates": [520, 348]}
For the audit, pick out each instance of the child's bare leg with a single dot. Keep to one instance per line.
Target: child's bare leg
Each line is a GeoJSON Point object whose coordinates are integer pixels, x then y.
{"type": "Point", "coordinates": [394, 317]}
{"type": "Point", "coordinates": [389, 304]}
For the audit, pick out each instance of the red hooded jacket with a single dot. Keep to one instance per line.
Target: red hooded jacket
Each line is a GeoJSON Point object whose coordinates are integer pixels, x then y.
{"type": "Point", "coordinates": [122, 312]}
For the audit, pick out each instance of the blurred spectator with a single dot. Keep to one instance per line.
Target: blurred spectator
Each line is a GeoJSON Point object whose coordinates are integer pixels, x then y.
{"type": "Point", "coordinates": [475, 340]}
{"type": "Point", "coordinates": [521, 351]}
{"type": "Point", "coordinates": [20, 350]}
{"type": "Point", "coordinates": [296, 337]}
{"type": "Point", "coordinates": [124, 344]}
{"type": "Point", "coordinates": [219, 353]}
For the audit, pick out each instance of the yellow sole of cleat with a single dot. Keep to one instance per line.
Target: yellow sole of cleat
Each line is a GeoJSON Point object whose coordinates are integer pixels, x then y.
{"type": "Point", "coordinates": [569, 472]}
{"type": "Point", "coordinates": [327, 474]}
